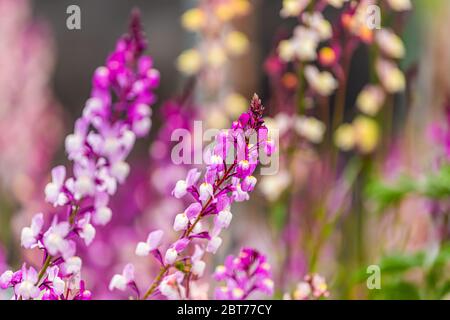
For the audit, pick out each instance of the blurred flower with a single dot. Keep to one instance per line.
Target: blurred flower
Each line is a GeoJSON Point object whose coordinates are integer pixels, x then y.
{"type": "Point", "coordinates": [390, 43]}
{"type": "Point", "coordinates": [243, 275]}
{"type": "Point", "coordinates": [400, 5]}
{"type": "Point", "coordinates": [391, 77]}
{"type": "Point", "coordinates": [293, 8]}
{"type": "Point", "coordinates": [311, 288]}
{"type": "Point", "coordinates": [322, 82]}
{"type": "Point", "coordinates": [310, 128]}
{"type": "Point", "coordinates": [371, 99]}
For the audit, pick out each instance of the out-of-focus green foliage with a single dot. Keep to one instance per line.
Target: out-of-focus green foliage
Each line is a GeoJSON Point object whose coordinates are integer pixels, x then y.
{"type": "Point", "coordinates": [423, 275]}
{"type": "Point", "coordinates": [434, 186]}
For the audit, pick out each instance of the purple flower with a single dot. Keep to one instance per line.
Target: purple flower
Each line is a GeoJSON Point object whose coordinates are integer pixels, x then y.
{"type": "Point", "coordinates": [117, 112]}
{"type": "Point", "coordinates": [121, 281]}
{"type": "Point", "coordinates": [243, 275]}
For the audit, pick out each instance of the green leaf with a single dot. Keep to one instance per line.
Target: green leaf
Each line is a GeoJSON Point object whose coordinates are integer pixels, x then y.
{"type": "Point", "coordinates": [401, 263]}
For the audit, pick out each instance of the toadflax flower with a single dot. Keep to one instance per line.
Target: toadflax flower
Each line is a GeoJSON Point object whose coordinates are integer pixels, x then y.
{"type": "Point", "coordinates": [117, 112]}
{"type": "Point", "coordinates": [239, 148]}
{"type": "Point", "coordinates": [247, 273]}
{"type": "Point", "coordinates": [313, 287]}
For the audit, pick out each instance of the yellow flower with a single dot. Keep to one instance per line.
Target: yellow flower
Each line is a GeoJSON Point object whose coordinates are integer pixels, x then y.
{"type": "Point", "coordinates": [235, 104]}
{"type": "Point", "coordinates": [193, 19]}
{"type": "Point", "coordinates": [390, 43]}
{"type": "Point", "coordinates": [344, 137]}
{"type": "Point", "coordinates": [241, 7]}
{"type": "Point", "coordinates": [236, 43]}
{"type": "Point", "coordinates": [293, 8]}
{"type": "Point", "coordinates": [216, 56]}
{"type": "Point", "coordinates": [189, 62]}
{"type": "Point", "coordinates": [391, 76]}
{"type": "Point", "coordinates": [370, 99]}
{"type": "Point", "coordinates": [224, 12]}
{"type": "Point", "coordinates": [400, 5]}
{"type": "Point", "coordinates": [366, 133]}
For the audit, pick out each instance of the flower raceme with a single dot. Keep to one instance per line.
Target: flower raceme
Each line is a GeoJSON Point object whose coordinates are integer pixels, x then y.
{"type": "Point", "coordinates": [117, 112]}
{"type": "Point", "coordinates": [227, 179]}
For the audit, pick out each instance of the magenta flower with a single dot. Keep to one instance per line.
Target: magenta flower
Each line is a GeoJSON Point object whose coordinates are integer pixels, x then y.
{"type": "Point", "coordinates": [247, 273]}
{"type": "Point", "coordinates": [117, 112]}
{"type": "Point", "coordinates": [213, 196]}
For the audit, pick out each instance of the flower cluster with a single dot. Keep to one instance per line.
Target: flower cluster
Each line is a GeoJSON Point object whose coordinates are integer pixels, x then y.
{"type": "Point", "coordinates": [313, 287]}
{"type": "Point", "coordinates": [29, 113]}
{"type": "Point", "coordinates": [247, 273]}
{"type": "Point", "coordinates": [117, 112]}
{"type": "Point", "coordinates": [219, 44]}
{"type": "Point", "coordinates": [208, 19]}
{"type": "Point", "coordinates": [228, 178]}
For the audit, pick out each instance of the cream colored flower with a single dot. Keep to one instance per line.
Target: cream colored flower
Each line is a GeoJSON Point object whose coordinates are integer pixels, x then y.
{"type": "Point", "coordinates": [310, 128]}
{"type": "Point", "coordinates": [322, 82]}
{"type": "Point", "coordinates": [400, 5]}
{"type": "Point", "coordinates": [344, 137]}
{"type": "Point", "coordinates": [390, 43]}
{"type": "Point", "coordinates": [336, 3]}
{"type": "Point", "coordinates": [370, 99]}
{"type": "Point", "coordinates": [216, 56]}
{"type": "Point", "coordinates": [293, 8]}
{"type": "Point", "coordinates": [273, 186]}
{"type": "Point", "coordinates": [193, 19]}
{"type": "Point", "coordinates": [189, 62]}
{"type": "Point", "coordinates": [391, 77]}
{"type": "Point", "coordinates": [318, 23]}
{"type": "Point", "coordinates": [366, 133]}
{"type": "Point", "coordinates": [235, 104]}
{"type": "Point", "coordinates": [236, 43]}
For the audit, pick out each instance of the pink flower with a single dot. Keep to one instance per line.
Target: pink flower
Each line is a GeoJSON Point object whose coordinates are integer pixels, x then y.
{"type": "Point", "coordinates": [121, 281]}
{"type": "Point", "coordinates": [29, 236]}
{"type": "Point", "coordinates": [153, 241]}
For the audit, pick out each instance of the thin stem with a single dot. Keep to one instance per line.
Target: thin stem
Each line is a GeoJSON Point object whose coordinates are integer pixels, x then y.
{"type": "Point", "coordinates": [47, 262]}
{"type": "Point", "coordinates": [156, 282]}
{"type": "Point", "coordinates": [187, 233]}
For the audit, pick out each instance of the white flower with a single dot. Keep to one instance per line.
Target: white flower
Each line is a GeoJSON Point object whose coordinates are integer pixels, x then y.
{"type": "Point", "coordinates": [58, 284]}
{"type": "Point", "coordinates": [171, 256]}
{"type": "Point", "coordinates": [214, 244]}
{"type": "Point", "coordinates": [390, 43]}
{"type": "Point", "coordinates": [322, 82]}
{"type": "Point", "coordinates": [55, 242]}
{"type": "Point", "coordinates": [72, 265]}
{"type": "Point", "coordinates": [198, 268]}
{"type": "Point", "coordinates": [310, 128]}
{"type": "Point", "coordinates": [27, 289]}
{"type": "Point", "coordinates": [171, 286]}
{"type": "Point", "coordinates": [400, 5]}
{"type": "Point", "coordinates": [120, 281]}
{"type": "Point", "coordinates": [181, 186]}
{"type": "Point", "coordinates": [293, 8]}
{"type": "Point", "coordinates": [29, 234]}
{"type": "Point", "coordinates": [153, 241]}
{"type": "Point", "coordinates": [318, 23]}
{"type": "Point", "coordinates": [181, 222]}
{"type": "Point", "coordinates": [391, 77]}
{"type": "Point", "coordinates": [53, 192]}
{"type": "Point", "coordinates": [223, 219]}
{"type": "Point", "coordinates": [205, 191]}
{"type": "Point", "coordinates": [120, 171]}
{"type": "Point", "coordinates": [87, 232]}
{"type": "Point", "coordinates": [102, 216]}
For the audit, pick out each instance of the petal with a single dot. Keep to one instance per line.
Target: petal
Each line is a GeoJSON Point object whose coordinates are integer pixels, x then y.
{"type": "Point", "coordinates": [58, 175]}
